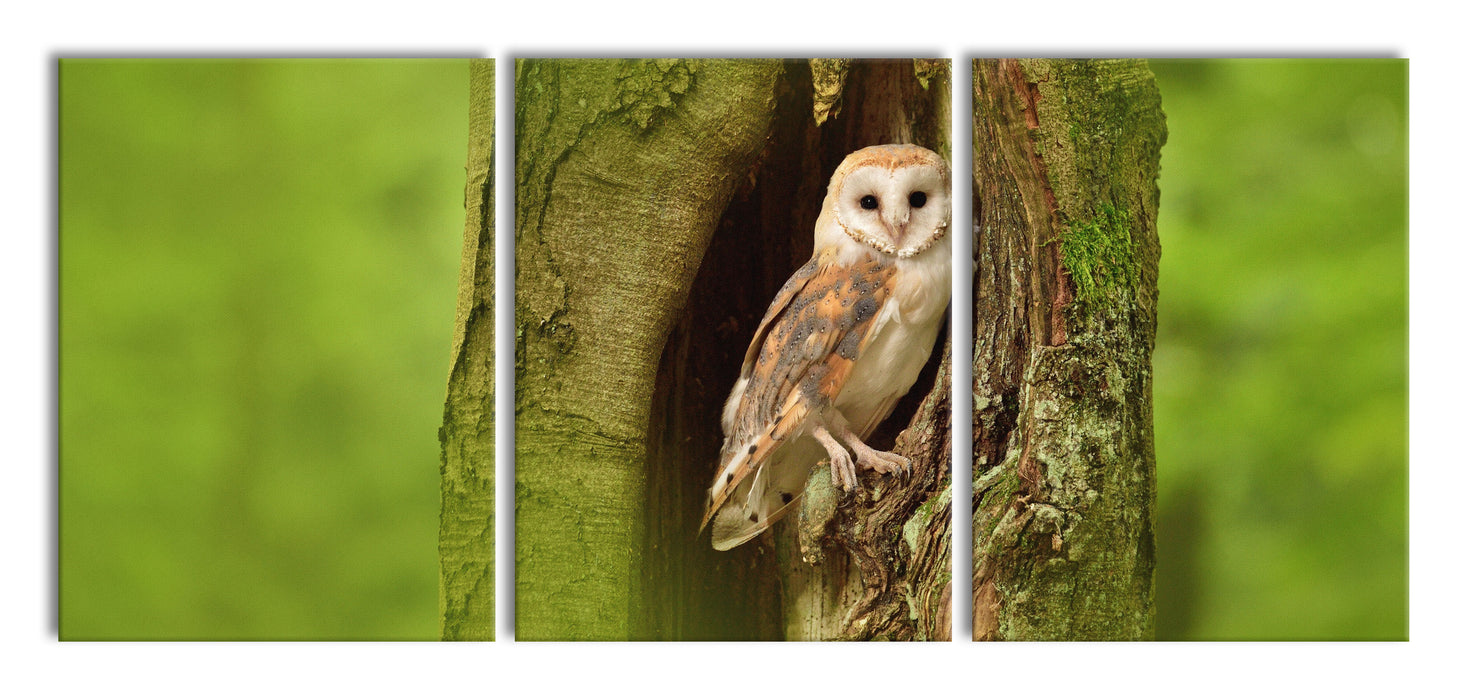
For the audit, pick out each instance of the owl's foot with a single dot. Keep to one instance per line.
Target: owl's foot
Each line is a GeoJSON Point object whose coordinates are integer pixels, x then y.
{"type": "Point", "coordinates": [881, 462]}
{"type": "Point", "coordinates": [876, 460]}
{"type": "Point", "coordinates": [843, 471]}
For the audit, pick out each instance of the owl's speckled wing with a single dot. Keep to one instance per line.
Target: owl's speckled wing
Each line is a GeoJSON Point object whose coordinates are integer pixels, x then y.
{"type": "Point", "coordinates": [800, 357]}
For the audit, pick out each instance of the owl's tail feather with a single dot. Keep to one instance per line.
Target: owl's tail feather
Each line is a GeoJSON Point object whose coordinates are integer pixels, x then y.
{"type": "Point", "coordinates": [733, 528]}
{"type": "Point", "coordinates": [770, 495]}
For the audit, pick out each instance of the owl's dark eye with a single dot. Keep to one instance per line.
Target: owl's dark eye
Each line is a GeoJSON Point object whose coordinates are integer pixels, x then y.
{"type": "Point", "coordinates": [917, 199]}
{"type": "Point", "coordinates": [868, 202]}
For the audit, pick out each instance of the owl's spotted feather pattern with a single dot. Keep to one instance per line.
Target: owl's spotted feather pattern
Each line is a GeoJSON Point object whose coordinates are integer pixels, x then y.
{"type": "Point", "coordinates": [801, 356]}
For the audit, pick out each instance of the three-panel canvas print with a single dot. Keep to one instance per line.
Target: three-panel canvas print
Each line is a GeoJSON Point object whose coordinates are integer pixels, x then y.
{"type": "Point", "coordinates": [809, 349]}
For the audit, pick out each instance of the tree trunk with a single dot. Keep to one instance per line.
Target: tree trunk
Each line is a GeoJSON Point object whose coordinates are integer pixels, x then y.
{"type": "Point", "coordinates": [660, 204]}
{"type": "Point", "coordinates": [622, 170]}
{"type": "Point", "coordinates": [466, 517]}
{"type": "Point", "coordinates": [1066, 158]}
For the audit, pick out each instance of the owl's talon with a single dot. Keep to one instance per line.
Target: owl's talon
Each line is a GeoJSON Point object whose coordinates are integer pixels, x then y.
{"type": "Point", "coordinates": [883, 462]}
{"type": "Point", "coordinates": [843, 472]}
{"type": "Point", "coordinates": [876, 460]}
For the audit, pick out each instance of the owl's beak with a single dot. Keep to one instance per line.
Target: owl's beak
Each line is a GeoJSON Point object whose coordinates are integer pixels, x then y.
{"type": "Point", "coordinates": [897, 225]}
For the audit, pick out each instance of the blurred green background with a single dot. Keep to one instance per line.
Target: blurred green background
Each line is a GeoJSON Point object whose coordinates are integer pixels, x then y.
{"type": "Point", "coordinates": [258, 262]}
{"type": "Point", "coordinates": [1281, 360]}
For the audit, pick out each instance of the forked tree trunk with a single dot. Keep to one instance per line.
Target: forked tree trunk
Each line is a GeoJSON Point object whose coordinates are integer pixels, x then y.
{"type": "Point", "coordinates": [660, 204]}
{"type": "Point", "coordinates": [466, 517]}
{"type": "Point", "coordinates": [1066, 160]}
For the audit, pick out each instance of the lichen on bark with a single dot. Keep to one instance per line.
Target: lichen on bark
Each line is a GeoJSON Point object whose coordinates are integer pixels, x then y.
{"type": "Point", "coordinates": [828, 78]}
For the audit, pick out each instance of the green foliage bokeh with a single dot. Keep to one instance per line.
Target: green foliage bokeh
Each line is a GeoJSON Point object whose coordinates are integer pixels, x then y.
{"type": "Point", "coordinates": [258, 262]}
{"type": "Point", "coordinates": [1281, 360]}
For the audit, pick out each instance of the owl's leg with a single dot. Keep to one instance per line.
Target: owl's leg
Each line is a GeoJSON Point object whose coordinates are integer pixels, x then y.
{"type": "Point", "coordinates": [843, 472]}
{"type": "Point", "coordinates": [875, 460]}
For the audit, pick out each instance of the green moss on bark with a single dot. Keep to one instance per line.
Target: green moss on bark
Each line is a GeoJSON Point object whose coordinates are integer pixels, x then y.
{"type": "Point", "coordinates": [1099, 254]}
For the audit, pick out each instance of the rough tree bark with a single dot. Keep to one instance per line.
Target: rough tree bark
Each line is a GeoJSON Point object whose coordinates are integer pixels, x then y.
{"type": "Point", "coordinates": [466, 517]}
{"type": "Point", "coordinates": [1066, 158]}
{"type": "Point", "coordinates": [660, 204]}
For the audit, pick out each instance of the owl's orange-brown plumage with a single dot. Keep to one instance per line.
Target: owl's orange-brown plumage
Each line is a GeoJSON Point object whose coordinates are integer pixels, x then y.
{"type": "Point", "coordinates": [801, 355]}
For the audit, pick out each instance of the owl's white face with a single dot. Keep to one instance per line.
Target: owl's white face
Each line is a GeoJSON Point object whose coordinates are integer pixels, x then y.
{"type": "Point", "coordinates": [898, 210]}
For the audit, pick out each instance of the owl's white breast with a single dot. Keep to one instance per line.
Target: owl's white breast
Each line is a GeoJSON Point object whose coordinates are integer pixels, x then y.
{"type": "Point", "coordinates": [903, 341]}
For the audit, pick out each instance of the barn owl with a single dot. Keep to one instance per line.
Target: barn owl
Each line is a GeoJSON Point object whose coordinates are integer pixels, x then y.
{"type": "Point", "coordinates": [843, 340]}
